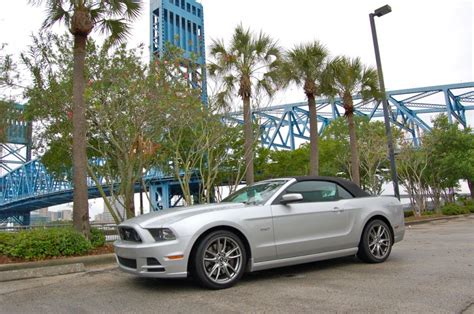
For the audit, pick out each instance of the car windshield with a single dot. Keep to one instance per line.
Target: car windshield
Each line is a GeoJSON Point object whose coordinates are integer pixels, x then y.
{"type": "Point", "coordinates": [256, 194]}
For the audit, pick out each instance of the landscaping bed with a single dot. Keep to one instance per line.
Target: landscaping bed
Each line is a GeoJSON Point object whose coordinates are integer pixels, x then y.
{"type": "Point", "coordinates": [105, 249]}
{"type": "Point", "coordinates": [47, 244]}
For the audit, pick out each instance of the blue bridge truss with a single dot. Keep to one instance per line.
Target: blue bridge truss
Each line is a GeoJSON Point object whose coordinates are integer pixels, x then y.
{"type": "Point", "coordinates": [284, 126]}
{"type": "Point", "coordinates": [31, 187]}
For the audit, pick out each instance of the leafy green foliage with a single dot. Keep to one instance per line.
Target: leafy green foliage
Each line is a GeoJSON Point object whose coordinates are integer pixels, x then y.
{"type": "Point", "coordinates": [8, 82]}
{"type": "Point", "coordinates": [334, 155]}
{"type": "Point", "coordinates": [469, 204]}
{"type": "Point", "coordinates": [97, 238]}
{"type": "Point", "coordinates": [42, 243]}
{"type": "Point", "coordinates": [283, 163]}
{"type": "Point", "coordinates": [451, 151]}
{"type": "Point", "coordinates": [372, 152]}
{"type": "Point", "coordinates": [9, 75]}
{"type": "Point", "coordinates": [454, 209]}
{"type": "Point", "coordinates": [128, 108]}
{"type": "Point", "coordinates": [6, 242]}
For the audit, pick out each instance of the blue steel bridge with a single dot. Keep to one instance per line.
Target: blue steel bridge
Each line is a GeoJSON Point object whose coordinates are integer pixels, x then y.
{"type": "Point", "coordinates": [30, 187]}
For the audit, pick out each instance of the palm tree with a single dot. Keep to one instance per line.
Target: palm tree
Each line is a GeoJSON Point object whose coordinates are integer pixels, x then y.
{"type": "Point", "coordinates": [248, 65]}
{"type": "Point", "coordinates": [82, 17]}
{"type": "Point", "coordinates": [347, 77]}
{"type": "Point", "coordinates": [304, 65]}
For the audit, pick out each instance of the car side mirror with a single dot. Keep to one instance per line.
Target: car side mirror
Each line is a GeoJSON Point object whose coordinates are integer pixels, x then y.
{"type": "Point", "coordinates": [291, 198]}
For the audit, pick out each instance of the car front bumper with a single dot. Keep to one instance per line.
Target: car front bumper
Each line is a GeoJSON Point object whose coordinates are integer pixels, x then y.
{"type": "Point", "coordinates": [151, 259]}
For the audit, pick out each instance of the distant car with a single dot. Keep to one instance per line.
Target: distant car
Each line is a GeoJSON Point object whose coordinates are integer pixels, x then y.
{"type": "Point", "coordinates": [269, 224]}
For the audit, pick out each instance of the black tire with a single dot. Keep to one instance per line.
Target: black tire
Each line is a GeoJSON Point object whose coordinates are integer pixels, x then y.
{"type": "Point", "coordinates": [219, 260]}
{"type": "Point", "coordinates": [376, 242]}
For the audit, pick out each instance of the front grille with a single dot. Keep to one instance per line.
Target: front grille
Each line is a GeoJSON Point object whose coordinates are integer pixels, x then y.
{"type": "Point", "coordinates": [128, 262]}
{"type": "Point", "coordinates": [129, 234]}
{"type": "Point", "coordinates": [151, 261]}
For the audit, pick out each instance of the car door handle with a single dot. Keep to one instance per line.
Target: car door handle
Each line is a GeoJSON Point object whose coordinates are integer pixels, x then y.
{"type": "Point", "coordinates": [338, 210]}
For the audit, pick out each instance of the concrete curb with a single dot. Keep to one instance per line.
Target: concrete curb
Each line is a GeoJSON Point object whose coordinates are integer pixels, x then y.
{"type": "Point", "coordinates": [39, 272]}
{"type": "Point", "coordinates": [428, 220]}
{"type": "Point", "coordinates": [88, 260]}
{"type": "Point", "coordinates": [54, 267]}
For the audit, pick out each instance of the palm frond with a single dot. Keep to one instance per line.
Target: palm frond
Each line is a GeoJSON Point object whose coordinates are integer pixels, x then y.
{"type": "Point", "coordinates": [224, 96]}
{"type": "Point", "coordinates": [119, 29]}
{"type": "Point", "coordinates": [266, 85]}
{"type": "Point", "coordinates": [217, 47]}
{"type": "Point", "coordinates": [97, 13]}
{"type": "Point", "coordinates": [56, 13]}
{"type": "Point", "coordinates": [241, 41]}
{"type": "Point", "coordinates": [370, 84]}
{"type": "Point", "coordinates": [350, 76]}
{"type": "Point", "coordinates": [305, 62]}
{"type": "Point", "coordinates": [39, 2]}
{"type": "Point", "coordinates": [130, 8]}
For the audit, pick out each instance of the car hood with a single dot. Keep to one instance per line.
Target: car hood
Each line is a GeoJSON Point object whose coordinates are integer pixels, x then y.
{"type": "Point", "coordinates": [170, 215]}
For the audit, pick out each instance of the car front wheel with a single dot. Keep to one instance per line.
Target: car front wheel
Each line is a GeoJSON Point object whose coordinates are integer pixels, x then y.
{"type": "Point", "coordinates": [376, 242]}
{"type": "Point", "coordinates": [219, 261]}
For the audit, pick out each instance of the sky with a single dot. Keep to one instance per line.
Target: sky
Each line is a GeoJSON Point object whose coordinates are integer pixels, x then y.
{"type": "Point", "coordinates": [422, 43]}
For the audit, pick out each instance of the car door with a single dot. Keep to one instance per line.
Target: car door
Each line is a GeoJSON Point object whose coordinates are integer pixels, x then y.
{"type": "Point", "coordinates": [316, 224]}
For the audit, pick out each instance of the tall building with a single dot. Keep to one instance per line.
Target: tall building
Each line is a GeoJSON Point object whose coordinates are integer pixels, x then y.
{"type": "Point", "coordinates": [180, 23]}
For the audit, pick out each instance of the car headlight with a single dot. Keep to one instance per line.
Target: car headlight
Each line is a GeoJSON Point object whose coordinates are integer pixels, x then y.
{"type": "Point", "coordinates": [162, 234]}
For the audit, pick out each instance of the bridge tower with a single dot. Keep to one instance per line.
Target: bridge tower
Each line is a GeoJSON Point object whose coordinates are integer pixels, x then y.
{"type": "Point", "coordinates": [15, 151]}
{"type": "Point", "coordinates": [180, 23]}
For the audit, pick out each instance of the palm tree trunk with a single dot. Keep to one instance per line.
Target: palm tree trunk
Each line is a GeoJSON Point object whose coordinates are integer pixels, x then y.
{"type": "Point", "coordinates": [353, 143]}
{"type": "Point", "coordinates": [248, 144]}
{"type": "Point", "coordinates": [79, 154]}
{"type": "Point", "coordinates": [314, 137]}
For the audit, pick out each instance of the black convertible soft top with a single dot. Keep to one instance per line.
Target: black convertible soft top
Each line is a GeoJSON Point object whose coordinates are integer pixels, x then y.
{"type": "Point", "coordinates": [350, 186]}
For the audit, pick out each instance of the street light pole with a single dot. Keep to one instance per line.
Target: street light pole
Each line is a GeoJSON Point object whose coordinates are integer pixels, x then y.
{"type": "Point", "coordinates": [391, 155]}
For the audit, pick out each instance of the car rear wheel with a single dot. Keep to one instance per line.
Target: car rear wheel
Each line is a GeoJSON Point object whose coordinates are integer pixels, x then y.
{"type": "Point", "coordinates": [376, 242]}
{"type": "Point", "coordinates": [219, 260]}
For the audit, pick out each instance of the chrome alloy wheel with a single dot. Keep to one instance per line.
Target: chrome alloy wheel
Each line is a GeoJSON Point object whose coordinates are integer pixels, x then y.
{"type": "Point", "coordinates": [379, 241]}
{"type": "Point", "coordinates": [222, 260]}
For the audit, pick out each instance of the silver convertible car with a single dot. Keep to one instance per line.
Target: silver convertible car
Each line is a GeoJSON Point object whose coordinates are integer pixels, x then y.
{"type": "Point", "coordinates": [269, 224]}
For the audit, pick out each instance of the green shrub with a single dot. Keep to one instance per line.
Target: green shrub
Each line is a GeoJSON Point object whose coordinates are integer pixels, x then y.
{"type": "Point", "coordinates": [408, 213]}
{"type": "Point", "coordinates": [41, 243]}
{"type": "Point", "coordinates": [97, 237]}
{"type": "Point", "coordinates": [469, 204]}
{"type": "Point", "coordinates": [454, 209]}
{"type": "Point", "coordinates": [6, 242]}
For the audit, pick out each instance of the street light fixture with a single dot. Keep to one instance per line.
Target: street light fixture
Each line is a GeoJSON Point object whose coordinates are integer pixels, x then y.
{"type": "Point", "coordinates": [383, 10]}
{"type": "Point", "coordinates": [391, 155]}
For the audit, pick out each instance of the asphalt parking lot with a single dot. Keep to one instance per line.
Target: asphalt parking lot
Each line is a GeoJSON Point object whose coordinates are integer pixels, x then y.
{"type": "Point", "coordinates": [431, 271]}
